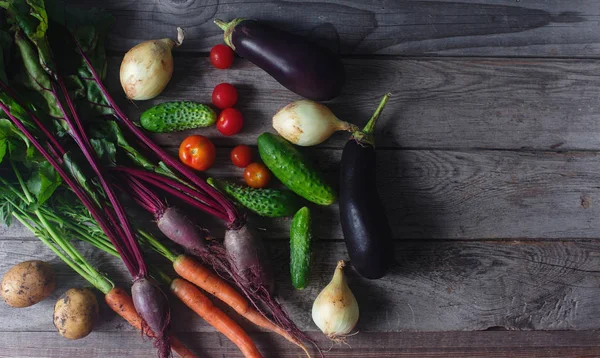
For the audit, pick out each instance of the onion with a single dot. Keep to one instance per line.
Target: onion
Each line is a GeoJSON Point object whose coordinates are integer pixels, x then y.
{"type": "Point", "coordinates": [335, 311]}
{"type": "Point", "coordinates": [147, 67]}
{"type": "Point", "coordinates": [307, 123]}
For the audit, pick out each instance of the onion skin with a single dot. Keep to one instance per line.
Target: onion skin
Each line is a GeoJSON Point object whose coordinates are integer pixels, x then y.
{"type": "Point", "coordinates": [335, 310]}
{"type": "Point", "coordinates": [147, 68]}
{"type": "Point", "coordinates": [307, 123]}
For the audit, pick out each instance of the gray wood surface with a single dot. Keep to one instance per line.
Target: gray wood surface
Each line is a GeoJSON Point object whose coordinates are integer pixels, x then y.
{"type": "Point", "coordinates": [436, 286]}
{"type": "Point", "coordinates": [530, 104]}
{"type": "Point", "coordinates": [505, 344]}
{"type": "Point", "coordinates": [476, 194]}
{"type": "Point", "coordinates": [488, 167]}
{"type": "Point", "coordinates": [536, 28]}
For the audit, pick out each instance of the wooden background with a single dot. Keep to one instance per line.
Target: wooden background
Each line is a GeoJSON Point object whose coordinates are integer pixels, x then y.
{"type": "Point", "coordinates": [488, 166]}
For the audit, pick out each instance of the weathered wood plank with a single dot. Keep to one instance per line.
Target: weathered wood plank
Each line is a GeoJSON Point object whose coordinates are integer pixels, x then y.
{"type": "Point", "coordinates": [458, 195]}
{"type": "Point", "coordinates": [458, 103]}
{"type": "Point", "coordinates": [471, 27]}
{"type": "Point", "coordinates": [437, 286]}
{"type": "Point", "coordinates": [364, 345]}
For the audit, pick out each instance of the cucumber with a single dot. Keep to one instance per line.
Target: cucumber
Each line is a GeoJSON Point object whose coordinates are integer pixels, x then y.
{"type": "Point", "coordinates": [300, 248]}
{"type": "Point", "coordinates": [177, 116]}
{"type": "Point", "coordinates": [265, 202]}
{"type": "Point", "coordinates": [293, 170]}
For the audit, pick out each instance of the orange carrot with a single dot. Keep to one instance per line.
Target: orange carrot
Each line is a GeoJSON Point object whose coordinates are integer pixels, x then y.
{"type": "Point", "coordinates": [199, 303]}
{"type": "Point", "coordinates": [120, 302]}
{"type": "Point", "coordinates": [207, 280]}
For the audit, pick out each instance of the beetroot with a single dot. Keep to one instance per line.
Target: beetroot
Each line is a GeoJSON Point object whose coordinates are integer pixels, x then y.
{"type": "Point", "coordinates": [248, 256]}
{"type": "Point", "coordinates": [179, 229]}
{"type": "Point", "coordinates": [152, 305]}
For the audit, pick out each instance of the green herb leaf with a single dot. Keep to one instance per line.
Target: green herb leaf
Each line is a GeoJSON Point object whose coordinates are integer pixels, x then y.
{"type": "Point", "coordinates": [31, 17]}
{"type": "Point", "coordinates": [106, 151]}
{"type": "Point", "coordinates": [42, 183]}
{"type": "Point", "coordinates": [14, 143]}
{"type": "Point", "coordinates": [80, 177]}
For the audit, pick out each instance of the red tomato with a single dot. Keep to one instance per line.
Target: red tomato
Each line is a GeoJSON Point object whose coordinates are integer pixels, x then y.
{"type": "Point", "coordinates": [197, 152]}
{"type": "Point", "coordinates": [230, 121]}
{"type": "Point", "coordinates": [221, 56]}
{"type": "Point", "coordinates": [257, 175]}
{"type": "Point", "coordinates": [241, 156]}
{"type": "Point", "coordinates": [224, 95]}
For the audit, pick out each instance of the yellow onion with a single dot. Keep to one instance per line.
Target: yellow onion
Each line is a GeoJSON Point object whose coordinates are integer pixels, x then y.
{"type": "Point", "coordinates": [335, 310]}
{"type": "Point", "coordinates": [147, 67]}
{"type": "Point", "coordinates": [307, 123]}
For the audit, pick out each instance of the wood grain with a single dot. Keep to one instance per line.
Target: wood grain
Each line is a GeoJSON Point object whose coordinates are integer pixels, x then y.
{"type": "Point", "coordinates": [456, 195]}
{"type": "Point", "coordinates": [364, 345]}
{"type": "Point", "coordinates": [463, 103]}
{"type": "Point", "coordinates": [535, 28]}
{"type": "Point", "coordinates": [436, 286]}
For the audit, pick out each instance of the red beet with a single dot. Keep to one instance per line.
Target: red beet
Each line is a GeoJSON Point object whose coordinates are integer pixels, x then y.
{"type": "Point", "coordinates": [152, 305]}
{"type": "Point", "coordinates": [179, 229]}
{"type": "Point", "coordinates": [248, 256]}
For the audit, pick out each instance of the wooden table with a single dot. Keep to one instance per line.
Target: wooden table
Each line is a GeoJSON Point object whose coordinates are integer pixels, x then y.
{"type": "Point", "coordinates": [488, 165]}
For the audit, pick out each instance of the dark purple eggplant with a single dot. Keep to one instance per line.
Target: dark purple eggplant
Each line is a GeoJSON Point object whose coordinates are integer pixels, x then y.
{"type": "Point", "coordinates": [299, 65]}
{"type": "Point", "coordinates": [365, 225]}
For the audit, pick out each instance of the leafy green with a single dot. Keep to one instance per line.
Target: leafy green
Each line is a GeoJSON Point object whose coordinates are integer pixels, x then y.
{"type": "Point", "coordinates": [110, 131]}
{"type": "Point", "coordinates": [36, 80]}
{"type": "Point", "coordinates": [31, 17]}
{"type": "Point", "coordinates": [6, 205]}
{"type": "Point", "coordinates": [80, 177]}
{"type": "Point", "coordinates": [89, 29]}
{"type": "Point", "coordinates": [14, 143]}
{"type": "Point", "coordinates": [105, 150]}
{"type": "Point", "coordinates": [44, 180]}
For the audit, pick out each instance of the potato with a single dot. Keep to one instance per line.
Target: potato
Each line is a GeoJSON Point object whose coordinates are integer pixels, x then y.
{"type": "Point", "coordinates": [76, 313]}
{"type": "Point", "coordinates": [28, 283]}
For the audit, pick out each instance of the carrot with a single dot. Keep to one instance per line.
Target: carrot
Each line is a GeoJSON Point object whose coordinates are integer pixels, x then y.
{"type": "Point", "coordinates": [120, 302]}
{"type": "Point", "coordinates": [197, 301]}
{"type": "Point", "coordinates": [193, 271]}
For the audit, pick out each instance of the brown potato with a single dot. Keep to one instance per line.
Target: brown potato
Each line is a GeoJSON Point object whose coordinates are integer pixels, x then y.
{"type": "Point", "coordinates": [76, 313]}
{"type": "Point", "coordinates": [28, 283]}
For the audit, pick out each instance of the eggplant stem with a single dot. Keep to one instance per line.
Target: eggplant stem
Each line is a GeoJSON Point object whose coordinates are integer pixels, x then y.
{"type": "Point", "coordinates": [370, 127]}
{"type": "Point", "coordinates": [228, 28]}
{"type": "Point", "coordinates": [222, 24]}
{"type": "Point", "coordinates": [366, 136]}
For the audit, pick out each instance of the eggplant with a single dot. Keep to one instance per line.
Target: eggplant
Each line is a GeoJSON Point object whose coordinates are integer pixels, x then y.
{"type": "Point", "coordinates": [299, 65]}
{"type": "Point", "coordinates": [366, 228]}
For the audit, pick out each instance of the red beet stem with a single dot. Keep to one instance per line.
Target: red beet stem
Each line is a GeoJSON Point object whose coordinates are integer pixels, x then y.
{"type": "Point", "coordinates": [234, 219]}
{"type": "Point", "coordinates": [144, 197]}
{"type": "Point", "coordinates": [80, 137]}
{"type": "Point", "coordinates": [77, 189]}
{"type": "Point", "coordinates": [186, 198]}
{"type": "Point", "coordinates": [55, 147]}
{"type": "Point", "coordinates": [174, 185]}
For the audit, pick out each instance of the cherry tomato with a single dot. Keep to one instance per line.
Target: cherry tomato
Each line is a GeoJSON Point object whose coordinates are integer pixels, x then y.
{"type": "Point", "coordinates": [241, 156]}
{"type": "Point", "coordinates": [230, 121]}
{"type": "Point", "coordinates": [197, 152]}
{"type": "Point", "coordinates": [221, 56]}
{"type": "Point", "coordinates": [224, 95]}
{"type": "Point", "coordinates": [257, 175]}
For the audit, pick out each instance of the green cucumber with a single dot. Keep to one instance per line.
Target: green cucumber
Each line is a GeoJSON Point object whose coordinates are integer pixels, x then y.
{"type": "Point", "coordinates": [177, 116]}
{"type": "Point", "coordinates": [265, 202]}
{"type": "Point", "coordinates": [300, 248]}
{"type": "Point", "coordinates": [293, 170]}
